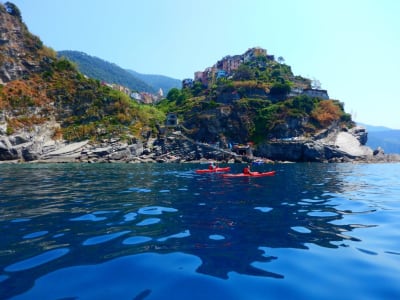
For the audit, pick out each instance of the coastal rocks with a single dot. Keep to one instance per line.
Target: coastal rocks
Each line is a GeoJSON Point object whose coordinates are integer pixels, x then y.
{"type": "Point", "coordinates": [350, 144]}
{"type": "Point", "coordinates": [360, 133]}
{"type": "Point", "coordinates": [37, 146]}
{"type": "Point", "coordinates": [331, 146]}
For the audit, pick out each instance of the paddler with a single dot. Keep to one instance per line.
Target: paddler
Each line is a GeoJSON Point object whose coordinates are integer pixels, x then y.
{"type": "Point", "coordinates": [212, 166]}
{"type": "Point", "coordinates": [246, 170]}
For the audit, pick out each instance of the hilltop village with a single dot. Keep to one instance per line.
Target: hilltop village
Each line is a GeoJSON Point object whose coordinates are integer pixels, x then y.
{"type": "Point", "coordinates": [227, 66]}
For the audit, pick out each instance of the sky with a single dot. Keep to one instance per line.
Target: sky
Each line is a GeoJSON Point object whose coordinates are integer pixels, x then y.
{"type": "Point", "coordinates": [352, 47]}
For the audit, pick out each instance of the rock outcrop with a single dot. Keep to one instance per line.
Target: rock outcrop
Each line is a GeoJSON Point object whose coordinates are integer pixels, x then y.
{"type": "Point", "coordinates": [18, 47]}
{"type": "Point", "coordinates": [332, 145]}
{"type": "Point", "coordinates": [38, 146]}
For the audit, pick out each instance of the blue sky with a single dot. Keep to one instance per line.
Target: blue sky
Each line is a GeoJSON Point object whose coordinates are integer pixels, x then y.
{"type": "Point", "coordinates": [351, 46]}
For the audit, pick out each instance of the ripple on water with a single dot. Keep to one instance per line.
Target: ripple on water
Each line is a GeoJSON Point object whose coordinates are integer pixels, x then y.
{"type": "Point", "coordinates": [20, 220]}
{"type": "Point", "coordinates": [37, 260]}
{"type": "Point", "coordinates": [321, 214]}
{"type": "Point", "coordinates": [35, 234]}
{"type": "Point", "coordinates": [301, 229]}
{"type": "Point", "coordinates": [137, 190]}
{"type": "Point", "coordinates": [103, 212]}
{"type": "Point", "coordinates": [130, 216]}
{"type": "Point", "coordinates": [263, 209]}
{"type": "Point", "coordinates": [134, 240]}
{"type": "Point", "coordinates": [155, 210]}
{"type": "Point", "coordinates": [149, 221]}
{"type": "Point", "coordinates": [216, 237]}
{"type": "Point", "coordinates": [88, 217]}
{"type": "Point", "coordinates": [103, 238]}
{"type": "Point", "coordinates": [367, 251]}
{"type": "Point", "coordinates": [179, 235]}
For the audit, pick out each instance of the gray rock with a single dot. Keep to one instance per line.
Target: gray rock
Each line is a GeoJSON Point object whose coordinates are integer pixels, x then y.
{"type": "Point", "coordinates": [136, 149]}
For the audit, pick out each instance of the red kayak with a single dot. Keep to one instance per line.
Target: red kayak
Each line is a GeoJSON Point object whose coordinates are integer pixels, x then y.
{"type": "Point", "coordinates": [226, 169]}
{"type": "Point", "coordinates": [253, 174]}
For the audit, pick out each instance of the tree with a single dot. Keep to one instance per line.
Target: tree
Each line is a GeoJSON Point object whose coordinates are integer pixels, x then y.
{"type": "Point", "coordinates": [244, 72]}
{"type": "Point", "coordinates": [281, 60]}
{"type": "Point", "coordinates": [326, 112]}
{"type": "Point", "coordinates": [177, 95]}
{"type": "Point", "coordinates": [280, 90]}
{"type": "Point", "coordinates": [173, 94]}
{"type": "Point", "coordinates": [303, 103]}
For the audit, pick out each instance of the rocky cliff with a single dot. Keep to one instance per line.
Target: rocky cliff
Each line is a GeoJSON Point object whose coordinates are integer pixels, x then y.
{"type": "Point", "coordinates": [50, 113]}
{"type": "Point", "coordinates": [20, 51]}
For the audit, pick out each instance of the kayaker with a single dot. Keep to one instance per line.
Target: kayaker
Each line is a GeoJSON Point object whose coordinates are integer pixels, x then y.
{"type": "Point", "coordinates": [246, 170]}
{"type": "Point", "coordinates": [212, 166]}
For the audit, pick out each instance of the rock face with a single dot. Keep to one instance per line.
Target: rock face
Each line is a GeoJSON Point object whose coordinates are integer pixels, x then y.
{"type": "Point", "coordinates": [28, 145]}
{"type": "Point", "coordinates": [330, 146]}
{"type": "Point", "coordinates": [18, 47]}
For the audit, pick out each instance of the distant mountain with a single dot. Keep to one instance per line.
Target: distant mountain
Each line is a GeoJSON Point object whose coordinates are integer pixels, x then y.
{"type": "Point", "coordinates": [97, 68]}
{"type": "Point", "coordinates": [100, 69]}
{"type": "Point", "coordinates": [372, 128]}
{"type": "Point", "coordinates": [386, 138]}
{"type": "Point", "coordinates": [158, 81]}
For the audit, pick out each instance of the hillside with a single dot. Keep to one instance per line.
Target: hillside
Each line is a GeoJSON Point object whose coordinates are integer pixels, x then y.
{"type": "Point", "coordinates": [102, 70]}
{"type": "Point", "coordinates": [45, 101]}
{"type": "Point", "coordinates": [253, 97]}
{"type": "Point", "coordinates": [48, 106]}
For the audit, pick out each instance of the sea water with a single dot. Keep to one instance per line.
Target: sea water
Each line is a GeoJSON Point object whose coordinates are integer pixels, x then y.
{"type": "Point", "coordinates": [161, 231]}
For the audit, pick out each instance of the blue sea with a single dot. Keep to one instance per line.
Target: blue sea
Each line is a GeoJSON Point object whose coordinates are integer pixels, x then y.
{"type": "Point", "coordinates": [161, 231]}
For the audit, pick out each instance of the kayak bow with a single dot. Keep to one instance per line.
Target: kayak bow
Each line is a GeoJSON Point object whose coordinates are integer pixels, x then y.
{"type": "Point", "coordinates": [203, 171]}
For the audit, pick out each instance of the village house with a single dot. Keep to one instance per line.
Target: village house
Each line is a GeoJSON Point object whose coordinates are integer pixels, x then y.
{"type": "Point", "coordinates": [295, 91]}
{"type": "Point", "coordinates": [227, 65]}
{"type": "Point", "coordinates": [316, 93]}
{"type": "Point", "coordinates": [136, 96]}
{"type": "Point", "coordinates": [147, 98]}
{"type": "Point", "coordinates": [121, 88]}
{"type": "Point", "coordinates": [171, 120]}
{"type": "Point", "coordinates": [253, 53]}
{"type": "Point", "coordinates": [187, 83]}
{"type": "Point", "coordinates": [221, 74]}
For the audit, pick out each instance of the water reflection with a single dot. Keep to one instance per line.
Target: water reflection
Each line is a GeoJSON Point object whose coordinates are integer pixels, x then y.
{"type": "Point", "coordinates": [98, 212]}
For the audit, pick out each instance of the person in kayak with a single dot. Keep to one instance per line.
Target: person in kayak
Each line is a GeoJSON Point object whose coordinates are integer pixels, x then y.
{"type": "Point", "coordinates": [212, 166]}
{"type": "Point", "coordinates": [246, 170]}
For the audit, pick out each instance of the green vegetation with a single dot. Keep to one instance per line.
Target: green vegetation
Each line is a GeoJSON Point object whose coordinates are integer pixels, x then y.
{"type": "Point", "coordinates": [261, 108]}
{"type": "Point", "coordinates": [260, 101]}
{"type": "Point", "coordinates": [85, 108]}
